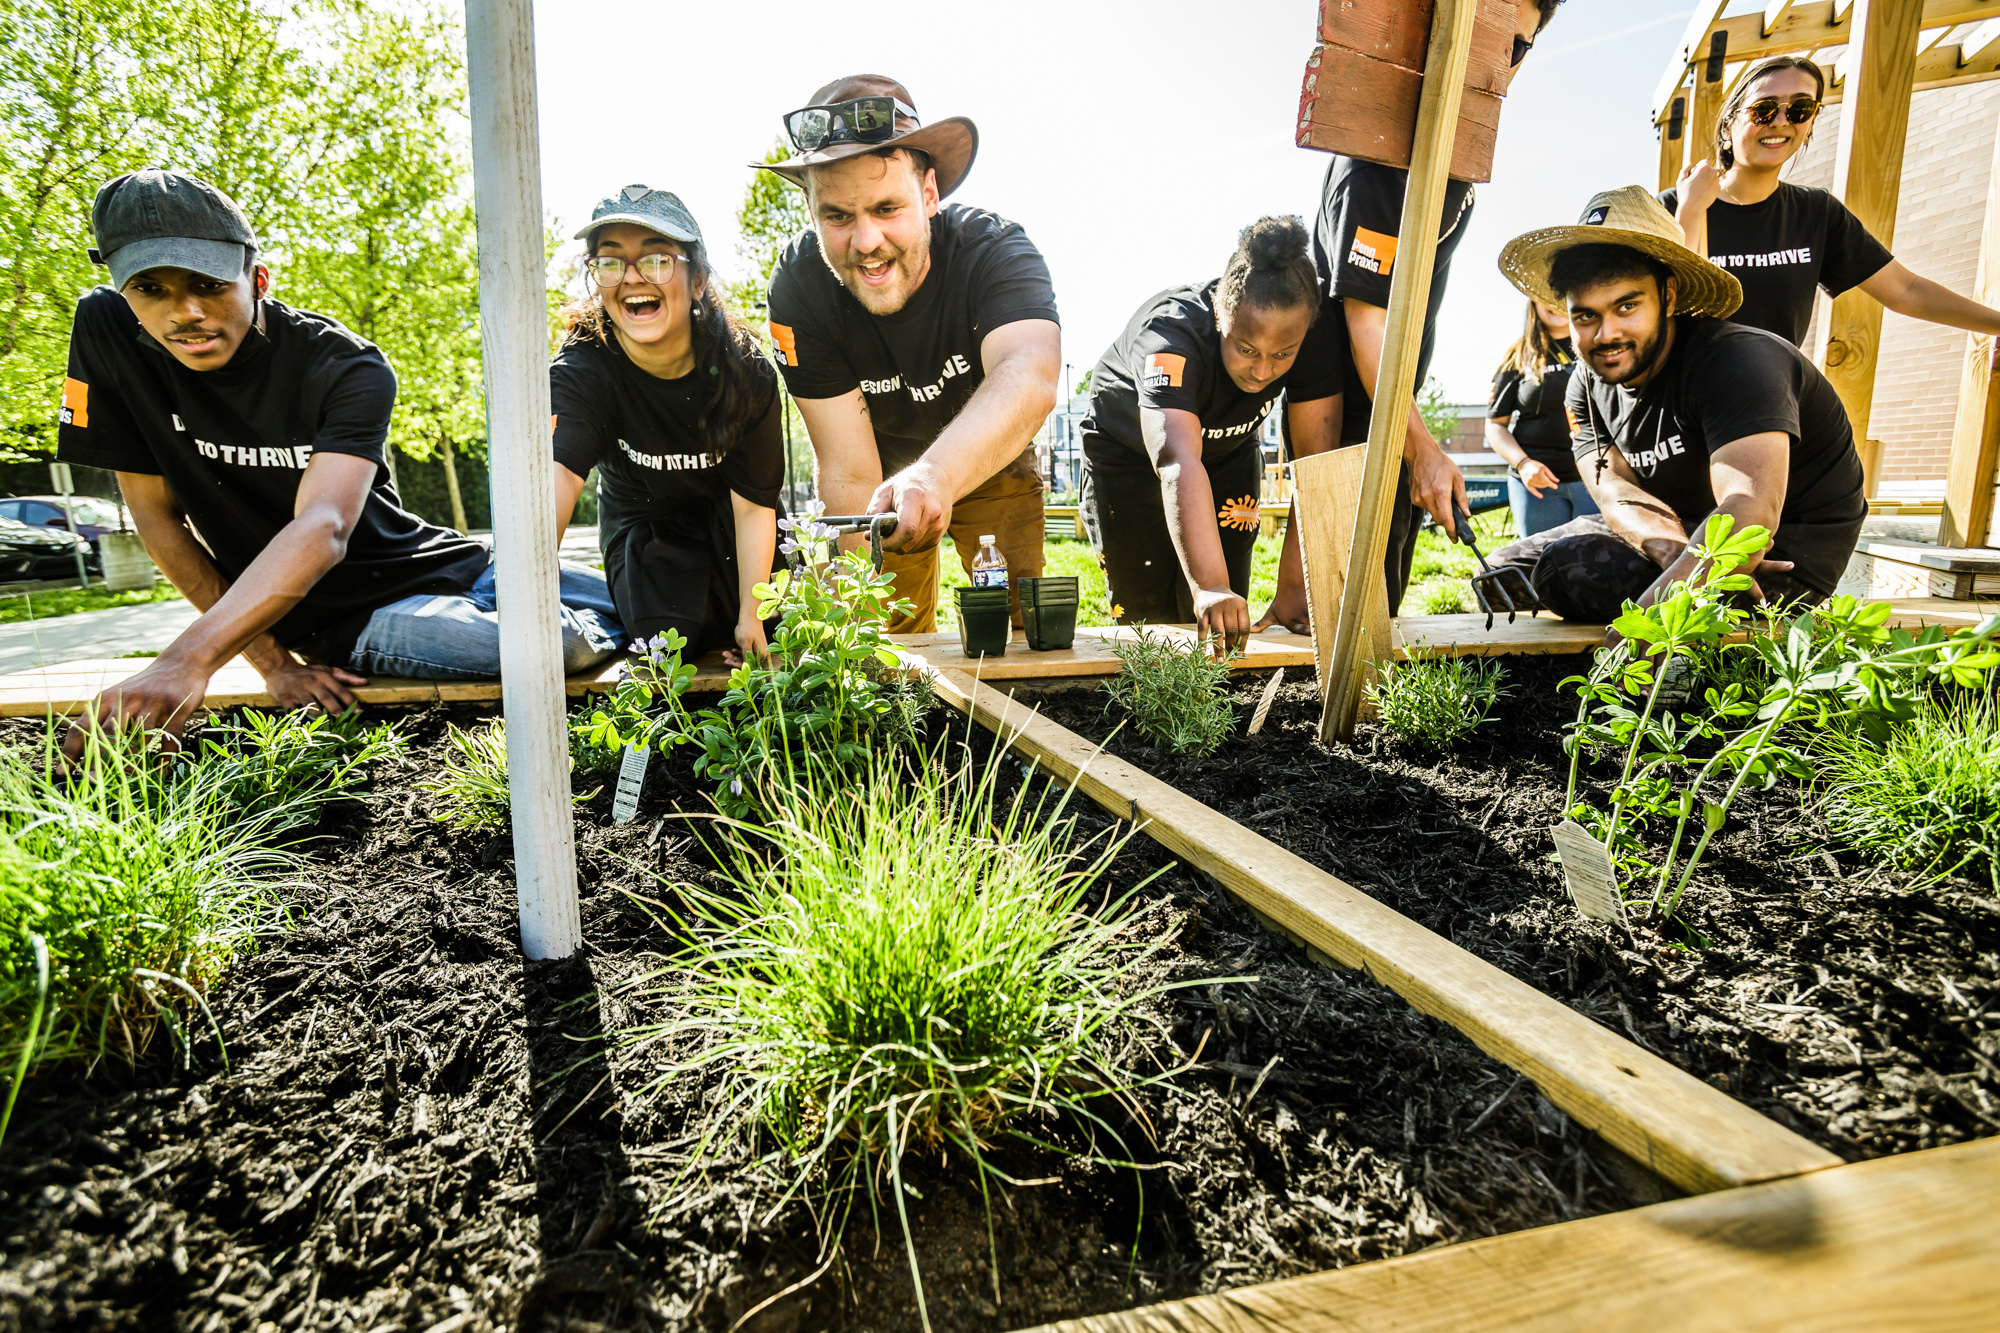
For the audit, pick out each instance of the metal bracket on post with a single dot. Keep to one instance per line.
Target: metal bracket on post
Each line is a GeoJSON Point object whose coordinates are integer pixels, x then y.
{"type": "Point", "coordinates": [514, 334]}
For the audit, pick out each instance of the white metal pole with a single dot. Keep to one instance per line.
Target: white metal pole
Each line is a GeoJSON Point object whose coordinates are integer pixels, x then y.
{"type": "Point", "coordinates": [514, 335]}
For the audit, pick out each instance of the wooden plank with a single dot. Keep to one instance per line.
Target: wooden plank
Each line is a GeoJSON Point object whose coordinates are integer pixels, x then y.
{"type": "Point", "coordinates": [1901, 1242]}
{"type": "Point", "coordinates": [1366, 108]}
{"type": "Point", "coordinates": [1704, 112]}
{"type": "Point", "coordinates": [1673, 143]}
{"type": "Point", "coordinates": [1693, 37]}
{"type": "Point", "coordinates": [1398, 32]}
{"type": "Point", "coordinates": [1409, 294]}
{"type": "Point", "coordinates": [1868, 177]}
{"type": "Point", "coordinates": [1809, 25]}
{"type": "Point", "coordinates": [1975, 434]}
{"type": "Point", "coordinates": [1092, 654]}
{"type": "Point", "coordinates": [1667, 1120]}
{"type": "Point", "coordinates": [1328, 487]}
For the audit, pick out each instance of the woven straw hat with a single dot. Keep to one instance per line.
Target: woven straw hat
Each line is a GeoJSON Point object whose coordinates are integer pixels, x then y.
{"type": "Point", "coordinates": [1631, 217]}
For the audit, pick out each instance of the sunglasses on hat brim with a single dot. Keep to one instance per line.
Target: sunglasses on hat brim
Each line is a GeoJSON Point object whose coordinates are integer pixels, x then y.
{"type": "Point", "coordinates": [1798, 111]}
{"type": "Point", "coordinates": [857, 120]}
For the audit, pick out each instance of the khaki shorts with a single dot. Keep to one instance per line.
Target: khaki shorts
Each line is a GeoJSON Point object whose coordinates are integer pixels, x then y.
{"type": "Point", "coordinates": [1006, 506]}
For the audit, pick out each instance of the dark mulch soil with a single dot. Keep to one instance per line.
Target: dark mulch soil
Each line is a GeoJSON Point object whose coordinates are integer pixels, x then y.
{"type": "Point", "coordinates": [1845, 999]}
{"type": "Point", "coordinates": [417, 1130]}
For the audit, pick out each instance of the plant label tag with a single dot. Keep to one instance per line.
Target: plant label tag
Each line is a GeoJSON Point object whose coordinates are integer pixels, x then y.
{"type": "Point", "coordinates": [1264, 704]}
{"type": "Point", "coordinates": [631, 778]}
{"type": "Point", "coordinates": [1587, 869]}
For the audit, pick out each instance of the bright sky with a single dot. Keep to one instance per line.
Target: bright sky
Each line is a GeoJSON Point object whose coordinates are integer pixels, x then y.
{"type": "Point", "coordinates": [1131, 141]}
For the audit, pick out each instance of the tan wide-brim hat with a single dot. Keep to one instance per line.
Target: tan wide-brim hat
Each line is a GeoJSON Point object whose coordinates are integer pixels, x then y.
{"type": "Point", "coordinates": [1630, 217]}
{"type": "Point", "coordinates": [951, 143]}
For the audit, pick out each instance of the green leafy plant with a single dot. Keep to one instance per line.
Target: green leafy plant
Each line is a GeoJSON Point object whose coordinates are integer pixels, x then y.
{"type": "Point", "coordinates": [1176, 694]}
{"type": "Point", "coordinates": [1837, 664]}
{"type": "Point", "coordinates": [126, 888]}
{"type": "Point", "coordinates": [1434, 703]}
{"type": "Point", "coordinates": [903, 960]}
{"type": "Point", "coordinates": [472, 791]}
{"type": "Point", "coordinates": [291, 761]}
{"type": "Point", "coordinates": [1441, 598]}
{"type": "Point", "coordinates": [1927, 798]}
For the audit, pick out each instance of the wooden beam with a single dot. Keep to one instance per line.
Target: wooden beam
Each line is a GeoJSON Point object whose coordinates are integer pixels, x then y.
{"type": "Point", "coordinates": [1811, 24]}
{"type": "Point", "coordinates": [1774, 14]}
{"type": "Point", "coordinates": [1362, 107]}
{"type": "Point", "coordinates": [1694, 36]}
{"type": "Point", "coordinates": [1705, 109]}
{"type": "Point", "coordinates": [1327, 490]}
{"type": "Point", "coordinates": [1975, 435]}
{"type": "Point", "coordinates": [1868, 178]}
{"type": "Point", "coordinates": [1402, 339]}
{"type": "Point", "coordinates": [1665, 1119]}
{"type": "Point", "coordinates": [1898, 1242]}
{"type": "Point", "coordinates": [1673, 142]}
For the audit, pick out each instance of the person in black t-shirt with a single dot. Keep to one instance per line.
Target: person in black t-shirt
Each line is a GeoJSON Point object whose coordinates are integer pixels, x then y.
{"type": "Point", "coordinates": [1354, 245]}
{"type": "Point", "coordinates": [248, 441]}
{"type": "Point", "coordinates": [1677, 415]}
{"type": "Point", "coordinates": [659, 388]}
{"type": "Point", "coordinates": [1173, 463]}
{"type": "Point", "coordinates": [920, 340]}
{"type": "Point", "coordinates": [1526, 425]}
{"type": "Point", "coordinates": [1783, 241]}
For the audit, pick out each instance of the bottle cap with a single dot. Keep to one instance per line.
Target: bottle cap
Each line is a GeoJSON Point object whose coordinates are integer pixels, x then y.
{"type": "Point", "coordinates": [987, 540]}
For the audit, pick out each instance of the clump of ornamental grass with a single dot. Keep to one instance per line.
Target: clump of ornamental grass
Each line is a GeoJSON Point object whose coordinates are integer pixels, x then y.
{"type": "Point", "coordinates": [472, 791]}
{"type": "Point", "coordinates": [1441, 598]}
{"type": "Point", "coordinates": [907, 962]}
{"type": "Point", "coordinates": [1177, 694]}
{"type": "Point", "coordinates": [126, 888]}
{"type": "Point", "coordinates": [1926, 798]}
{"type": "Point", "coordinates": [1436, 702]}
{"type": "Point", "coordinates": [291, 761]}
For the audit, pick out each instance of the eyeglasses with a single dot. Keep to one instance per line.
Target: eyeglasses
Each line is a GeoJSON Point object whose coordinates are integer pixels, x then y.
{"type": "Point", "coordinates": [1798, 111]}
{"type": "Point", "coordinates": [858, 120]}
{"type": "Point", "coordinates": [609, 270]}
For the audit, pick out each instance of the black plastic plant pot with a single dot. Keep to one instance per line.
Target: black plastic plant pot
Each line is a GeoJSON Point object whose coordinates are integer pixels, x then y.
{"type": "Point", "coordinates": [984, 630]}
{"type": "Point", "coordinates": [1052, 587]}
{"type": "Point", "coordinates": [1050, 626]}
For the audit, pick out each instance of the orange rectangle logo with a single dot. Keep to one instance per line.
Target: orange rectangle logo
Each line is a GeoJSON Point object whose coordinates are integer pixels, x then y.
{"type": "Point", "coordinates": [788, 343]}
{"type": "Point", "coordinates": [75, 403]}
{"type": "Point", "coordinates": [1164, 370]}
{"type": "Point", "coordinates": [1372, 251]}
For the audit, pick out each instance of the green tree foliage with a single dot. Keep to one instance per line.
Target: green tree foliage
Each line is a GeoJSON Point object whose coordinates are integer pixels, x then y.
{"type": "Point", "coordinates": [1439, 414]}
{"type": "Point", "coordinates": [773, 214]}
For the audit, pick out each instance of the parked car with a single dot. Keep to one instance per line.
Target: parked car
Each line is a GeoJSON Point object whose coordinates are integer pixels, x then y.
{"type": "Point", "coordinates": [94, 516]}
{"type": "Point", "coordinates": [40, 552]}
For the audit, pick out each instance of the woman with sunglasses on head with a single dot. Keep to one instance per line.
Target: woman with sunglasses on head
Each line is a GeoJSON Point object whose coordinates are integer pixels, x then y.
{"type": "Point", "coordinates": [1781, 240]}
{"type": "Point", "coordinates": [1527, 426]}
{"type": "Point", "coordinates": [659, 387]}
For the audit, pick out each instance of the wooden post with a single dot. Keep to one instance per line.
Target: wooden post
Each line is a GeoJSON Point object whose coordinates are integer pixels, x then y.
{"type": "Point", "coordinates": [514, 335]}
{"type": "Point", "coordinates": [1673, 142]}
{"type": "Point", "coordinates": [1709, 89]}
{"type": "Point", "coordinates": [1867, 177]}
{"type": "Point", "coordinates": [1345, 669]}
{"type": "Point", "coordinates": [1975, 436]}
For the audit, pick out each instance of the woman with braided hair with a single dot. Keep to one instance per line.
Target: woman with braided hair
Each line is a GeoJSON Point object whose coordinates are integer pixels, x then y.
{"type": "Point", "coordinates": [1173, 464]}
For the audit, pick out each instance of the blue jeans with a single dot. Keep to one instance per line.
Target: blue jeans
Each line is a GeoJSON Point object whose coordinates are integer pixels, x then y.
{"type": "Point", "coordinates": [1554, 508]}
{"type": "Point", "coordinates": [456, 636]}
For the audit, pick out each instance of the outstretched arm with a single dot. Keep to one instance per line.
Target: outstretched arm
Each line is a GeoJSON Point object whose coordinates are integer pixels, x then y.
{"type": "Point", "coordinates": [1191, 523]}
{"type": "Point", "coordinates": [1907, 293]}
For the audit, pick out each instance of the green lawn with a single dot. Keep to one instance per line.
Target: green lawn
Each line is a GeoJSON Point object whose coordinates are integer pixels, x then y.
{"type": "Point", "coordinates": [69, 601]}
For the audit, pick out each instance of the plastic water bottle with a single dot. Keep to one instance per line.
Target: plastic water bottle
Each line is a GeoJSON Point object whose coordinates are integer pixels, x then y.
{"type": "Point", "coordinates": [989, 567]}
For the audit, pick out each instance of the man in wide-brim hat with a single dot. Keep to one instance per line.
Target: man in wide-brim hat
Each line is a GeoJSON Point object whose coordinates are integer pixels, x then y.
{"type": "Point", "coordinates": [1676, 414]}
{"type": "Point", "coordinates": [919, 339]}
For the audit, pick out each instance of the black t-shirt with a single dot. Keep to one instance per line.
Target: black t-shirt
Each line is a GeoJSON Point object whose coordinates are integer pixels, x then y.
{"type": "Point", "coordinates": [233, 444]}
{"type": "Point", "coordinates": [1723, 382]}
{"type": "Point", "coordinates": [1354, 246]}
{"type": "Point", "coordinates": [1170, 355]}
{"type": "Point", "coordinates": [1780, 250]}
{"type": "Point", "coordinates": [1540, 424]}
{"type": "Point", "coordinates": [918, 367]}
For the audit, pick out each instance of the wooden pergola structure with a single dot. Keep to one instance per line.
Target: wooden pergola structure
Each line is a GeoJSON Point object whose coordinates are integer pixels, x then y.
{"type": "Point", "coordinates": [1877, 53]}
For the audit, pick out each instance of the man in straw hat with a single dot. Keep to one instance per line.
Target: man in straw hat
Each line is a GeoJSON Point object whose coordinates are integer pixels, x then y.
{"type": "Point", "coordinates": [920, 339]}
{"type": "Point", "coordinates": [1676, 414]}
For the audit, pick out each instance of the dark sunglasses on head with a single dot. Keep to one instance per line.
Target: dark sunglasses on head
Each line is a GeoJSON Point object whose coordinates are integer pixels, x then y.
{"type": "Point", "coordinates": [1798, 111]}
{"type": "Point", "coordinates": [858, 120]}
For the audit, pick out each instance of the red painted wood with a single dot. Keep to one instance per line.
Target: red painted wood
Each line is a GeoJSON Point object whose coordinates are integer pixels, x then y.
{"type": "Point", "coordinates": [1367, 108]}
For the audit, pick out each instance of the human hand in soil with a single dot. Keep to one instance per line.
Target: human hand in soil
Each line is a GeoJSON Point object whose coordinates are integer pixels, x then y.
{"type": "Point", "coordinates": [751, 646]}
{"type": "Point", "coordinates": [296, 685]}
{"type": "Point", "coordinates": [1221, 613]}
{"type": "Point", "coordinates": [920, 497]}
{"type": "Point", "coordinates": [158, 700]}
{"type": "Point", "coordinates": [1537, 478]}
{"type": "Point", "coordinates": [1435, 482]}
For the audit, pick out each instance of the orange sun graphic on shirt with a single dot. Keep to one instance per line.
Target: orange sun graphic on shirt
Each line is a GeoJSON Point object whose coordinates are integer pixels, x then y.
{"type": "Point", "coordinates": [1240, 514]}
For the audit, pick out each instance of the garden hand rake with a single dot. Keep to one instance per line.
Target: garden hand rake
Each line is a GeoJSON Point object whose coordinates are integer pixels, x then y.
{"type": "Point", "coordinates": [1507, 588]}
{"type": "Point", "coordinates": [877, 526]}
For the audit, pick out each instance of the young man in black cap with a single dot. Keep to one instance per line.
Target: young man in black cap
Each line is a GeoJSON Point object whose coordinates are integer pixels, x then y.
{"type": "Point", "coordinates": [1354, 245]}
{"type": "Point", "coordinates": [248, 441]}
{"type": "Point", "coordinates": [920, 339]}
{"type": "Point", "coordinates": [1676, 414]}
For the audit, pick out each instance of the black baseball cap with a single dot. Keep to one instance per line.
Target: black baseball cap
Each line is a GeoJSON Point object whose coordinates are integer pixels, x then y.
{"type": "Point", "coordinates": [167, 219]}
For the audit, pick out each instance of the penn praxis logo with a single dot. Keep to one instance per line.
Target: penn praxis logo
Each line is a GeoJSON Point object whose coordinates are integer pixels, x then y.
{"type": "Point", "coordinates": [1163, 370]}
{"type": "Point", "coordinates": [1372, 251]}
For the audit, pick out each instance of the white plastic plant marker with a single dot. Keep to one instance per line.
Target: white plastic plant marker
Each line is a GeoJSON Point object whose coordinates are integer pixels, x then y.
{"type": "Point", "coordinates": [514, 337]}
{"type": "Point", "coordinates": [1587, 869]}
{"type": "Point", "coordinates": [1264, 704]}
{"type": "Point", "coordinates": [631, 780]}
